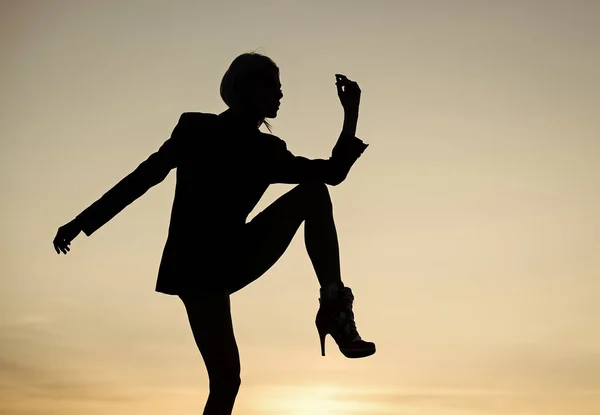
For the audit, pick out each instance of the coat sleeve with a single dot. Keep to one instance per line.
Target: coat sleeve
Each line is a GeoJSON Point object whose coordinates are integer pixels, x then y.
{"type": "Point", "coordinates": [149, 173]}
{"type": "Point", "coordinates": [285, 167]}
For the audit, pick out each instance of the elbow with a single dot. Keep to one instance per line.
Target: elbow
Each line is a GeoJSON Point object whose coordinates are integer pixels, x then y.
{"type": "Point", "coordinates": [336, 179]}
{"type": "Point", "coordinates": [337, 172]}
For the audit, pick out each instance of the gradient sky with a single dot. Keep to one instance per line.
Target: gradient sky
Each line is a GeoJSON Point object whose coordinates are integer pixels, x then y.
{"type": "Point", "coordinates": [469, 229]}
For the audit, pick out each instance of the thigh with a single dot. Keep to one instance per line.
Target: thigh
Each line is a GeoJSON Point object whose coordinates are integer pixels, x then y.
{"type": "Point", "coordinates": [209, 316]}
{"type": "Point", "coordinates": [266, 237]}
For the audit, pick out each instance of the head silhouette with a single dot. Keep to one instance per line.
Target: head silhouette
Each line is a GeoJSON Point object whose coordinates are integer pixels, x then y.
{"type": "Point", "coordinates": [251, 86]}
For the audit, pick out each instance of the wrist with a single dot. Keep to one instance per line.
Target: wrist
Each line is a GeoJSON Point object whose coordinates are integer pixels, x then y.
{"type": "Point", "coordinates": [349, 126]}
{"type": "Point", "coordinates": [76, 223]}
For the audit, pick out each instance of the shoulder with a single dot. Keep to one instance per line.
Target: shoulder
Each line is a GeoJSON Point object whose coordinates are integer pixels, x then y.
{"type": "Point", "coordinates": [191, 122]}
{"type": "Point", "coordinates": [195, 117]}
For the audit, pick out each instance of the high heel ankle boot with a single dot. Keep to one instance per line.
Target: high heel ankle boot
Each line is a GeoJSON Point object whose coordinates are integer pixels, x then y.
{"type": "Point", "coordinates": [335, 317]}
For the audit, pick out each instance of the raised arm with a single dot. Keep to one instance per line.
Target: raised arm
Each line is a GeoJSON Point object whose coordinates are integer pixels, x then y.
{"type": "Point", "coordinates": [284, 167]}
{"type": "Point", "coordinates": [149, 173]}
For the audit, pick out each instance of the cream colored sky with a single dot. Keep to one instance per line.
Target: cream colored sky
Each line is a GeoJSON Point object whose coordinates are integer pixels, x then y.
{"type": "Point", "coordinates": [469, 229]}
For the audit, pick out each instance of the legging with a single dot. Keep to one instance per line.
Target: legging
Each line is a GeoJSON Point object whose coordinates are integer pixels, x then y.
{"type": "Point", "coordinates": [265, 239]}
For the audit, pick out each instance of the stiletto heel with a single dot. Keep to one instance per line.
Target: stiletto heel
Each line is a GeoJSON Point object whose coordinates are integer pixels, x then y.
{"type": "Point", "coordinates": [322, 335]}
{"type": "Point", "coordinates": [335, 317]}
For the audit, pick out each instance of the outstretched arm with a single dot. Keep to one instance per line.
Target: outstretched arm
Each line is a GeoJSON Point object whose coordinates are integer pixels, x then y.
{"type": "Point", "coordinates": [149, 173]}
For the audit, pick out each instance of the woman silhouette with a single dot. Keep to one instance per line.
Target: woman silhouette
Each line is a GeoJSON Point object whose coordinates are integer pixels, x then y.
{"type": "Point", "coordinates": [224, 165]}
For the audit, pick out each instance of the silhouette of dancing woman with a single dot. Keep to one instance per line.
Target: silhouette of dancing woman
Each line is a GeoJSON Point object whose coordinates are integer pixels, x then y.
{"type": "Point", "coordinates": [224, 165]}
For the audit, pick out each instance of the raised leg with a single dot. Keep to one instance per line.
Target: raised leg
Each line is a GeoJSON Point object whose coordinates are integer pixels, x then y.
{"type": "Point", "coordinates": [269, 234]}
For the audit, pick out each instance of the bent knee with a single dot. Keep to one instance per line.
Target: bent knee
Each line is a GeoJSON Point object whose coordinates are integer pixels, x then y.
{"type": "Point", "coordinates": [315, 196]}
{"type": "Point", "coordinates": [312, 186]}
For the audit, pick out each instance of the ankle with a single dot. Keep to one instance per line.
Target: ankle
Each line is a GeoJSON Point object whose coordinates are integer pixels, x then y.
{"type": "Point", "coordinates": [333, 286]}
{"type": "Point", "coordinates": [330, 290]}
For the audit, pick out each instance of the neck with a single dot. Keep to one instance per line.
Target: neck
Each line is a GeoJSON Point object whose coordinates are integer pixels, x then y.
{"type": "Point", "coordinates": [243, 119]}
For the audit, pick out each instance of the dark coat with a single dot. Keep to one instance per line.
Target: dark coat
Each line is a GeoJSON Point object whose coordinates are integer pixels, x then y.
{"type": "Point", "coordinates": [222, 172]}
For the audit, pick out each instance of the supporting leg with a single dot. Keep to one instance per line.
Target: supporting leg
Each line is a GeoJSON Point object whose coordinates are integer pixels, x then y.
{"type": "Point", "coordinates": [210, 320]}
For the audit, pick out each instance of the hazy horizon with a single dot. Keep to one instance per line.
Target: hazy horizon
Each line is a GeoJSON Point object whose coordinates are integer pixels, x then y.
{"type": "Point", "coordinates": [468, 230]}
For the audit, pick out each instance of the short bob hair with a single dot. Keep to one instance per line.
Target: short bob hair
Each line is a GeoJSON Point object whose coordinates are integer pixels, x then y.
{"type": "Point", "coordinates": [245, 70]}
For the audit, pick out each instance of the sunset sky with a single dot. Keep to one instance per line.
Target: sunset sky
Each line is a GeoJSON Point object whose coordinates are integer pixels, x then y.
{"type": "Point", "coordinates": [469, 230]}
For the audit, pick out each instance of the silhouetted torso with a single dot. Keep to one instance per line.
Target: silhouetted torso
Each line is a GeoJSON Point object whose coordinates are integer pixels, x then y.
{"type": "Point", "coordinates": [223, 169]}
